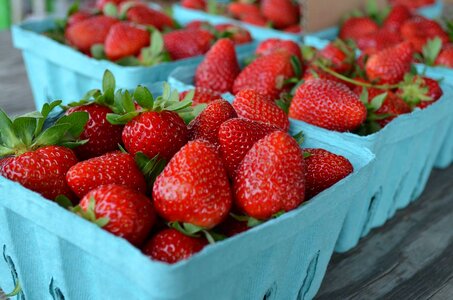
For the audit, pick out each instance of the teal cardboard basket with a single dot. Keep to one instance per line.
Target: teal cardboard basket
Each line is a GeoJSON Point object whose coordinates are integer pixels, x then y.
{"type": "Point", "coordinates": [406, 151]}
{"type": "Point", "coordinates": [57, 71]}
{"type": "Point", "coordinates": [55, 254]}
{"type": "Point", "coordinates": [185, 15]}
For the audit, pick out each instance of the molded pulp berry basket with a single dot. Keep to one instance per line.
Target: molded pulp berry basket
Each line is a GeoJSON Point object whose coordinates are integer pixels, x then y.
{"type": "Point", "coordinates": [445, 156]}
{"type": "Point", "coordinates": [406, 151]}
{"type": "Point", "coordinates": [52, 251]}
{"type": "Point", "coordinates": [57, 71]}
{"type": "Point", "coordinates": [185, 15]}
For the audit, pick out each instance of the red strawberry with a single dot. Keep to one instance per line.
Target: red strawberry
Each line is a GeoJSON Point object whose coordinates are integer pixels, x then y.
{"type": "Point", "coordinates": [144, 15]}
{"type": "Point", "coordinates": [257, 20]}
{"type": "Point", "coordinates": [327, 104]}
{"type": "Point", "coordinates": [293, 29]}
{"type": "Point", "coordinates": [77, 17]}
{"type": "Point", "coordinates": [194, 4]}
{"type": "Point", "coordinates": [445, 57]}
{"type": "Point", "coordinates": [236, 138]}
{"type": "Point", "coordinates": [153, 133]}
{"type": "Point", "coordinates": [102, 136]}
{"type": "Point", "coordinates": [197, 24]}
{"type": "Point", "coordinates": [239, 10]}
{"type": "Point", "coordinates": [42, 170]}
{"type": "Point", "coordinates": [194, 187]}
{"type": "Point", "coordinates": [419, 30]}
{"type": "Point", "coordinates": [271, 179]}
{"type": "Point", "coordinates": [266, 74]}
{"type": "Point", "coordinates": [390, 65]}
{"type": "Point", "coordinates": [393, 105]}
{"type": "Point", "coordinates": [128, 214]}
{"type": "Point", "coordinates": [235, 33]}
{"type": "Point", "coordinates": [202, 95]}
{"type": "Point", "coordinates": [206, 125]}
{"type": "Point", "coordinates": [339, 55]}
{"type": "Point", "coordinates": [89, 32]}
{"type": "Point", "coordinates": [125, 40]}
{"type": "Point", "coordinates": [396, 17]}
{"type": "Point", "coordinates": [357, 27]}
{"type": "Point", "coordinates": [252, 105]}
{"type": "Point", "coordinates": [219, 68]}
{"type": "Point", "coordinates": [101, 3]}
{"type": "Point", "coordinates": [272, 45]}
{"type": "Point", "coordinates": [377, 41]}
{"type": "Point", "coordinates": [171, 246]}
{"type": "Point", "coordinates": [312, 72]}
{"type": "Point", "coordinates": [323, 169]}
{"type": "Point", "coordinates": [186, 43]}
{"type": "Point", "coordinates": [420, 91]}
{"type": "Point", "coordinates": [282, 13]}
{"type": "Point", "coordinates": [111, 168]}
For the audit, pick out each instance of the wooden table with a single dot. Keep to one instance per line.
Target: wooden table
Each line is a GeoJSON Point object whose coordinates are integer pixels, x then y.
{"type": "Point", "coordinates": [410, 257]}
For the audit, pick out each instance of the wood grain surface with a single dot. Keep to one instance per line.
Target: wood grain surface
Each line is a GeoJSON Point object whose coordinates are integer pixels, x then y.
{"type": "Point", "coordinates": [410, 257]}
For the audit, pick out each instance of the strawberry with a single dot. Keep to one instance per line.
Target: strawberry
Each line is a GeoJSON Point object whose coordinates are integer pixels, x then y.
{"type": "Point", "coordinates": [377, 41]}
{"type": "Point", "coordinates": [125, 40]}
{"type": "Point", "coordinates": [144, 15]}
{"type": "Point", "coordinates": [270, 178]}
{"type": "Point", "coordinates": [236, 138]}
{"type": "Point", "coordinates": [293, 29]}
{"type": "Point", "coordinates": [266, 74]}
{"type": "Point", "coordinates": [102, 136]}
{"type": "Point", "coordinates": [111, 168]}
{"type": "Point", "coordinates": [36, 157]}
{"type": "Point", "coordinates": [419, 91]}
{"type": "Point", "coordinates": [120, 210]}
{"type": "Point", "coordinates": [419, 30]}
{"type": "Point", "coordinates": [171, 246]}
{"type": "Point", "coordinates": [206, 125]}
{"type": "Point", "coordinates": [194, 187]}
{"type": "Point", "coordinates": [327, 104]}
{"type": "Point", "coordinates": [323, 169]}
{"type": "Point", "coordinates": [390, 65]}
{"type": "Point", "coordinates": [202, 95]}
{"type": "Point", "coordinates": [356, 27]}
{"type": "Point", "coordinates": [396, 17]}
{"type": "Point", "coordinates": [77, 17]}
{"type": "Point", "coordinates": [339, 56]}
{"type": "Point", "coordinates": [252, 105]}
{"type": "Point", "coordinates": [381, 111]}
{"type": "Point", "coordinates": [272, 45]}
{"type": "Point", "coordinates": [313, 72]}
{"type": "Point", "coordinates": [84, 34]}
{"type": "Point", "coordinates": [235, 33]}
{"type": "Point", "coordinates": [239, 10]}
{"type": "Point", "coordinates": [282, 13]}
{"type": "Point", "coordinates": [194, 4]}
{"type": "Point", "coordinates": [445, 57]}
{"type": "Point", "coordinates": [257, 20]}
{"type": "Point", "coordinates": [197, 24]}
{"type": "Point", "coordinates": [184, 43]}
{"type": "Point", "coordinates": [219, 68]}
{"type": "Point", "coordinates": [101, 3]}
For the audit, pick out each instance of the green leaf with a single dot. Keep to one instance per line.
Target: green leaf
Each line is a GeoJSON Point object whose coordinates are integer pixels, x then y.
{"type": "Point", "coordinates": [98, 51]}
{"type": "Point", "coordinates": [299, 137]}
{"type": "Point", "coordinates": [124, 8]}
{"type": "Point", "coordinates": [7, 133]}
{"type": "Point", "coordinates": [63, 201]}
{"type": "Point", "coordinates": [5, 151]}
{"type": "Point", "coordinates": [24, 128]}
{"type": "Point", "coordinates": [73, 8]}
{"type": "Point", "coordinates": [189, 96]}
{"type": "Point", "coordinates": [116, 119]}
{"type": "Point", "coordinates": [211, 7]}
{"type": "Point", "coordinates": [129, 61]}
{"type": "Point", "coordinates": [297, 67]}
{"type": "Point", "coordinates": [377, 101]}
{"type": "Point", "coordinates": [72, 145]}
{"type": "Point", "coordinates": [186, 228]}
{"type": "Point", "coordinates": [151, 168]}
{"type": "Point", "coordinates": [110, 10]}
{"type": "Point", "coordinates": [91, 94]}
{"type": "Point", "coordinates": [47, 108]}
{"type": "Point", "coordinates": [143, 97]}
{"type": "Point", "coordinates": [52, 135]}
{"type": "Point", "coordinates": [108, 85]}
{"type": "Point", "coordinates": [364, 96]}
{"type": "Point", "coordinates": [157, 43]}
{"type": "Point", "coordinates": [77, 122]}
{"type": "Point", "coordinates": [193, 113]}
{"type": "Point", "coordinates": [101, 222]}
{"type": "Point", "coordinates": [307, 154]}
{"type": "Point", "coordinates": [431, 50]}
{"type": "Point", "coordinates": [179, 105]}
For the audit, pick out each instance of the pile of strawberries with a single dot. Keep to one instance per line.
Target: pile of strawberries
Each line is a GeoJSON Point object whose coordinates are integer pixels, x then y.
{"type": "Point", "coordinates": [279, 14]}
{"type": "Point", "coordinates": [376, 30]}
{"type": "Point", "coordinates": [161, 174]}
{"type": "Point", "coordinates": [131, 33]}
{"type": "Point", "coordinates": [330, 88]}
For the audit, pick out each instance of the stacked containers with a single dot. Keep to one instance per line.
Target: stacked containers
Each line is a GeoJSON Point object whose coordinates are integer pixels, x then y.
{"type": "Point", "coordinates": [57, 71]}
{"type": "Point", "coordinates": [406, 151]}
{"type": "Point", "coordinates": [285, 258]}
